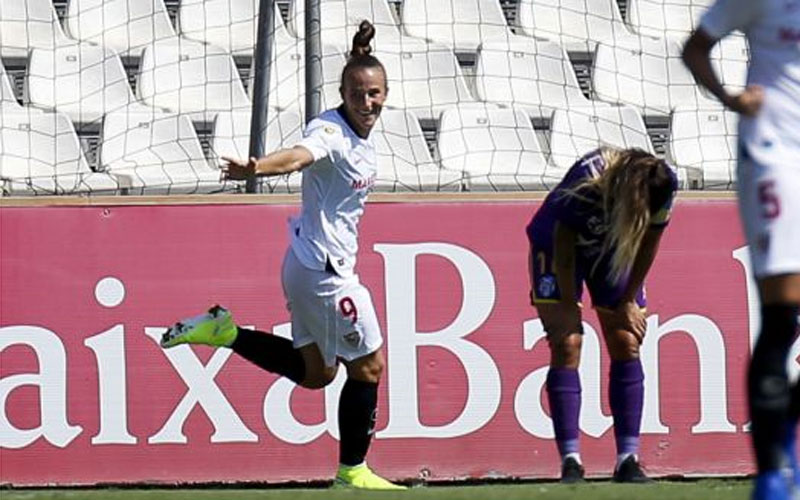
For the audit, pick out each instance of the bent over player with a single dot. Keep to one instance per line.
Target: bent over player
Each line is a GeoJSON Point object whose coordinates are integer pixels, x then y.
{"type": "Point", "coordinates": [333, 318]}
{"type": "Point", "coordinates": [601, 225]}
{"type": "Point", "coordinates": [768, 173]}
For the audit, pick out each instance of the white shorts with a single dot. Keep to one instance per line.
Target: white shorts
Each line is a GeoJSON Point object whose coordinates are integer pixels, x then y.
{"type": "Point", "coordinates": [333, 312]}
{"type": "Point", "coordinates": [769, 206]}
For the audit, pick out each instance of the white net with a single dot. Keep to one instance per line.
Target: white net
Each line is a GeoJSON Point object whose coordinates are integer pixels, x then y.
{"type": "Point", "coordinates": [145, 96]}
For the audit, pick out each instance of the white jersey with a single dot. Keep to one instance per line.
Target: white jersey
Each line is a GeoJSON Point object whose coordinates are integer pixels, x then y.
{"type": "Point", "coordinates": [772, 28]}
{"type": "Point", "coordinates": [335, 190]}
{"type": "Point", "coordinates": [768, 173]}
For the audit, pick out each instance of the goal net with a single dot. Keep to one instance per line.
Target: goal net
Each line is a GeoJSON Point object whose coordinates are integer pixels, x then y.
{"type": "Point", "coordinates": [147, 96]}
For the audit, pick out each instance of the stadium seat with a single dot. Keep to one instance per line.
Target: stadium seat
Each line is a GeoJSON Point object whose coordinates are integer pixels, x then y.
{"type": "Point", "coordinates": [340, 20]}
{"type": "Point", "coordinates": [646, 73]}
{"type": "Point", "coordinates": [287, 76]}
{"type": "Point", "coordinates": [229, 24]}
{"type": "Point", "coordinates": [424, 78]}
{"type": "Point", "coordinates": [84, 81]}
{"type": "Point", "coordinates": [665, 18]}
{"type": "Point", "coordinates": [27, 24]}
{"type": "Point", "coordinates": [157, 154]}
{"type": "Point", "coordinates": [190, 78]}
{"type": "Point", "coordinates": [495, 148]}
{"type": "Point", "coordinates": [40, 153]}
{"type": "Point", "coordinates": [459, 24]}
{"type": "Point", "coordinates": [404, 161]}
{"type": "Point", "coordinates": [8, 98]}
{"type": "Point", "coordinates": [123, 25]}
{"type": "Point", "coordinates": [534, 75]}
{"type": "Point", "coordinates": [574, 132]}
{"type": "Point", "coordinates": [231, 138]}
{"type": "Point", "coordinates": [577, 25]}
{"type": "Point", "coordinates": [705, 140]}
{"type": "Point", "coordinates": [730, 58]}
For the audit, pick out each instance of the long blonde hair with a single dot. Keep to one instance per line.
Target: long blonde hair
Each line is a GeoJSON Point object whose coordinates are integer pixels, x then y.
{"type": "Point", "coordinates": [633, 185]}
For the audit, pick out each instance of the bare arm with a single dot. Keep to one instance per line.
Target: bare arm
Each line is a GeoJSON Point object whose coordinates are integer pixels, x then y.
{"type": "Point", "coordinates": [696, 56]}
{"type": "Point", "coordinates": [282, 161]}
{"type": "Point", "coordinates": [643, 261]}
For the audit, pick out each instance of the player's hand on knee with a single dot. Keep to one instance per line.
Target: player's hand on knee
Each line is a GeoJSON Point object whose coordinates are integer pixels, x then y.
{"type": "Point", "coordinates": [630, 317]}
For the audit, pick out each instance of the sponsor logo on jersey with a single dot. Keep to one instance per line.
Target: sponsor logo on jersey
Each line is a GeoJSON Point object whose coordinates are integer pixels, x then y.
{"type": "Point", "coordinates": [365, 183]}
{"type": "Point", "coordinates": [596, 225]}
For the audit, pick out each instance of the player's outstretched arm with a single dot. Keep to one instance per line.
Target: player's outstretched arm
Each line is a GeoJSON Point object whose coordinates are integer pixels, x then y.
{"type": "Point", "coordinates": [696, 56]}
{"type": "Point", "coordinates": [282, 161]}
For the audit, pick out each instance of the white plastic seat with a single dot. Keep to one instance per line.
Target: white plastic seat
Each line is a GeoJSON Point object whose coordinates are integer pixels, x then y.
{"type": "Point", "coordinates": [190, 78]}
{"type": "Point", "coordinates": [459, 24]}
{"type": "Point", "coordinates": [495, 148]}
{"type": "Point", "coordinates": [126, 26]}
{"type": "Point", "coordinates": [231, 138]}
{"type": "Point", "coordinates": [534, 75]}
{"type": "Point", "coordinates": [730, 57]}
{"type": "Point", "coordinates": [8, 98]}
{"type": "Point", "coordinates": [229, 24]}
{"type": "Point", "coordinates": [84, 81]}
{"type": "Point", "coordinates": [40, 153]}
{"type": "Point", "coordinates": [287, 76]}
{"type": "Point", "coordinates": [340, 20]}
{"type": "Point", "coordinates": [404, 161]}
{"type": "Point", "coordinates": [706, 140]}
{"type": "Point", "coordinates": [27, 24]}
{"type": "Point", "coordinates": [424, 78]}
{"type": "Point", "coordinates": [646, 73]}
{"type": "Point", "coordinates": [156, 153]}
{"type": "Point", "coordinates": [665, 18]}
{"type": "Point", "coordinates": [577, 25]}
{"type": "Point", "coordinates": [574, 132]}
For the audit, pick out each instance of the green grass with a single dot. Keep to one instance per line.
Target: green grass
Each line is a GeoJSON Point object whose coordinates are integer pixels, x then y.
{"type": "Point", "coordinates": [709, 489]}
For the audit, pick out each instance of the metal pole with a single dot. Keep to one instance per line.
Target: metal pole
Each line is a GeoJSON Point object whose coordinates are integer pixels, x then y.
{"type": "Point", "coordinates": [262, 58]}
{"type": "Point", "coordinates": [313, 60]}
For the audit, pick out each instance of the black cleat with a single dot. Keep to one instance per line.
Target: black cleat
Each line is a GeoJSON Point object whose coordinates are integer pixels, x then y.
{"type": "Point", "coordinates": [571, 471]}
{"type": "Point", "coordinates": [630, 471]}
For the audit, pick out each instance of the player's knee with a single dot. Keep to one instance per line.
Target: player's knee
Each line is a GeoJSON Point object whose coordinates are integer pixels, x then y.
{"type": "Point", "coordinates": [368, 369]}
{"type": "Point", "coordinates": [319, 379]}
{"type": "Point", "coordinates": [768, 381]}
{"type": "Point", "coordinates": [622, 346]}
{"type": "Point", "coordinates": [565, 350]}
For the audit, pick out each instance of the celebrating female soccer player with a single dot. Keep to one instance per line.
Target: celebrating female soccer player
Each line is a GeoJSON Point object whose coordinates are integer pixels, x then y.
{"type": "Point", "coordinates": [601, 225]}
{"type": "Point", "coordinates": [333, 317]}
{"type": "Point", "coordinates": [768, 186]}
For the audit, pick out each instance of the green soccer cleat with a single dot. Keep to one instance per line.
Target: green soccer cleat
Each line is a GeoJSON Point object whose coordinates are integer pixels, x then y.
{"type": "Point", "coordinates": [214, 328]}
{"type": "Point", "coordinates": [362, 477]}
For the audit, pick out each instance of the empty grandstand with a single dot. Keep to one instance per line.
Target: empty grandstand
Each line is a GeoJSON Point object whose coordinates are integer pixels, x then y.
{"type": "Point", "coordinates": [113, 96]}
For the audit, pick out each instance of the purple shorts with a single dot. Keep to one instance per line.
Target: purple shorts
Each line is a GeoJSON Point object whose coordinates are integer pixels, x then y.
{"type": "Point", "coordinates": [590, 267]}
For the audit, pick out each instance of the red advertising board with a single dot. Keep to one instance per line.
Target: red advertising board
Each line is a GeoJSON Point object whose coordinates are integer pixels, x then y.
{"type": "Point", "coordinates": [88, 396]}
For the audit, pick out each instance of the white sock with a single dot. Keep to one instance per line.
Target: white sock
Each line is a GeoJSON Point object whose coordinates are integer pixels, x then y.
{"type": "Point", "coordinates": [575, 455]}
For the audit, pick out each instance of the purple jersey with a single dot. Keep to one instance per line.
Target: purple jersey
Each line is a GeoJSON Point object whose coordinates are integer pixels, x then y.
{"type": "Point", "coordinates": [583, 213]}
